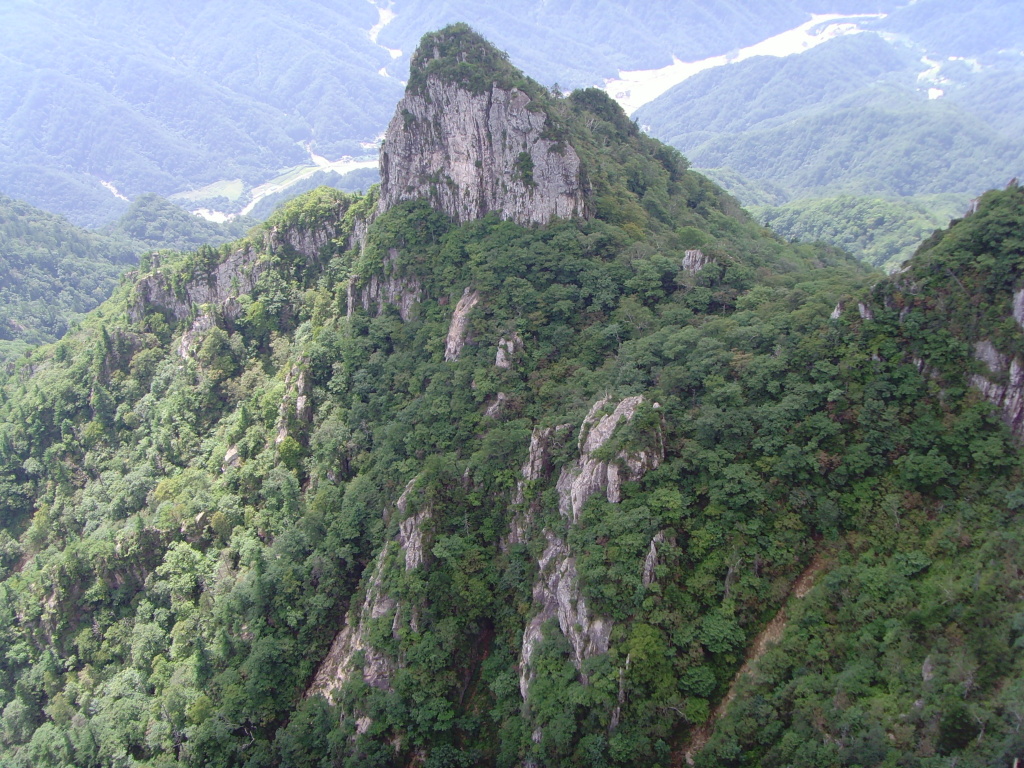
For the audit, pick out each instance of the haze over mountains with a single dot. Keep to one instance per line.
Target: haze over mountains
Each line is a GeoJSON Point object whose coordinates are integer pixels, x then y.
{"type": "Point", "coordinates": [923, 108]}
{"type": "Point", "coordinates": [226, 102]}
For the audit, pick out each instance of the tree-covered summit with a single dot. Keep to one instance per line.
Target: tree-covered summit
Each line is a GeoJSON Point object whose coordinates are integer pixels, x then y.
{"type": "Point", "coordinates": [461, 56]}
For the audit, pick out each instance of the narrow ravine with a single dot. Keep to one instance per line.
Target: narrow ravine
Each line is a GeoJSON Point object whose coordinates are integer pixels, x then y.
{"type": "Point", "coordinates": [765, 639]}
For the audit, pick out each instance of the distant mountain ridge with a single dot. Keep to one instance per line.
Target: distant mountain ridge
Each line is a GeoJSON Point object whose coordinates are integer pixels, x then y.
{"type": "Point", "coordinates": [147, 98]}
{"type": "Point", "coordinates": [926, 102]}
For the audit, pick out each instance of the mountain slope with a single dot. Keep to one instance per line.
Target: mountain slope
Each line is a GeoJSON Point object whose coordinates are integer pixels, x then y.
{"type": "Point", "coordinates": [928, 665]}
{"type": "Point", "coordinates": [199, 96]}
{"type": "Point", "coordinates": [926, 104]}
{"type": "Point", "coordinates": [429, 481]}
{"type": "Point", "coordinates": [53, 272]}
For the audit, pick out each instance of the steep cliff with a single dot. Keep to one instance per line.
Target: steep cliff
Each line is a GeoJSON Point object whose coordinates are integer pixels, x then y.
{"type": "Point", "coordinates": [474, 143]}
{"type": "Point", "coordinates": [960, 304]}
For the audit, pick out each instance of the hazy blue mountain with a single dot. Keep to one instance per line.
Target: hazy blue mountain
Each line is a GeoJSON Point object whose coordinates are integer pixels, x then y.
{"type": "Point", "coordinates": [173, 97]}
{"type": "Point", "coordinates": [178, 95]}
{"type": "Point", "coordinates": [929, 104]}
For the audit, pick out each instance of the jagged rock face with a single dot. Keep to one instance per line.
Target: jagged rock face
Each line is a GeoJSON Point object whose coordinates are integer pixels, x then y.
{"type": "Point", "coordinates": [191, 337]}
{"type": "Point", "coordinates": [508, 348]}
{"type": "Point", "coordinates": [234, 276]}
{"type": "Point", "coordinates": [537, 467]}
{"type": "Point", "coordinates": [459, 327]}
{"type": "Point", "coordinates": [1008, 396]}
{"type": "Point", "coordinates": [497, 407]}
{"type": "Point", "coordinates": [588, 475]}
{"type": "Point", "coordinates": [651, 561]}
{"type": "Point", "coordinates": [403, 292]}
{"type": "Point", "coordinates": [556, 592]}
{"type": "Point", "coordinates": [694, 261]}
{"type": "Point", "coordinates": [338, 667]}
{"type": "Point", "coordinates": [1018, 307]}
{"type": "Point", "coordinates": [470, 154]}
{"type": "Point", "coordinates": [411, 535]}
{"type": "Point", "coordinates": [410, 546]}
{"type": "Point", "coordinates": [297, 390]}
{"type": "Point", "coordinates": [231, 278]}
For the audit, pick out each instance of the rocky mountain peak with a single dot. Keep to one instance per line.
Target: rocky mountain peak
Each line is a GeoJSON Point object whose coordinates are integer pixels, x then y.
{"type": "Point", "coordinates": [473, 135]}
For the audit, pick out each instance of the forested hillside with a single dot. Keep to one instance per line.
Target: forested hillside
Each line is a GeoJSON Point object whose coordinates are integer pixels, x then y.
{"type": "Point", "coordinates": [927, 104]}
{"type": "Point", "coordinates": [52, 272]}
{"type": "Point", "coordinates": [883, 232]}
{"type": "Point", "coordinates": [378, 485]}
{"type": "Point", "coordinates": [197, 97]}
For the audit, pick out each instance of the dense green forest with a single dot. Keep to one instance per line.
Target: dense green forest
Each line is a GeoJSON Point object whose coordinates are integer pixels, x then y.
{"type": "Point", "coordinates": [915, 118]}
{"type": "Point", "coordinates": [883, 232]}
{"type": "Point", "coordinates": [171, 98]}
{"type": "Point", "coordinates": [197, 496]}
{"type": "Point", "coordinates": [52, 272]}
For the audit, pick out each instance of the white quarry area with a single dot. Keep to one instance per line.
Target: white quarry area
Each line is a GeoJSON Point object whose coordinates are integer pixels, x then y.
{"type": "Point", "coordinates": [635, 88]}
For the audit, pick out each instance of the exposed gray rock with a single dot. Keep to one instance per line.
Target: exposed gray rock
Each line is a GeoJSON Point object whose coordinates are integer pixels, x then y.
{"type": "Point", "coordinates": [460, 325]}
{"type": "Point", "coordinates": [231, 459]}
{"type": "Point", "coordinates": [556, 593]}
{"type": "Point", "coordinates": [651, 561]}
{"type": "Point", "coordinates": [508, 348]}
{"type": "Point", "coordinates": [695, 260]}
{"type": "Point", "coordinates": [411, 536]}
{"type": "Point", "coordinates": [1008, 397]}
{"type": "Point", "coordinates": [927, 669]}
{"type": "Point", "coordinates": [990, 356]}
{"type": "Point", "coordinates": [236, 275]}
{"type": "Point", "coordinates": [470, 154]}
{"type": "Point", "coordinates": [589, 475]}
{"type": "Point", "coordinates": [495, 409]}
{"type": "Point", "coordinates": [408, 546]}
{"type": "Point", "coordinates": [403, 292]}
{"type": "Point", "coordinates": [296, 394]}
{"type": "Point", "coordinates": [1018, 307]}
{"type": "Point", "coordinates": [338, 668]}
{"type": "Point", "coordinates": [192, 336]}
{"type": "Point", "coordinates": [837, 312]}
{"type": "Point", "coordinates": [537, 467]}
{"type": "Point", "coordinates": [866, 313]}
